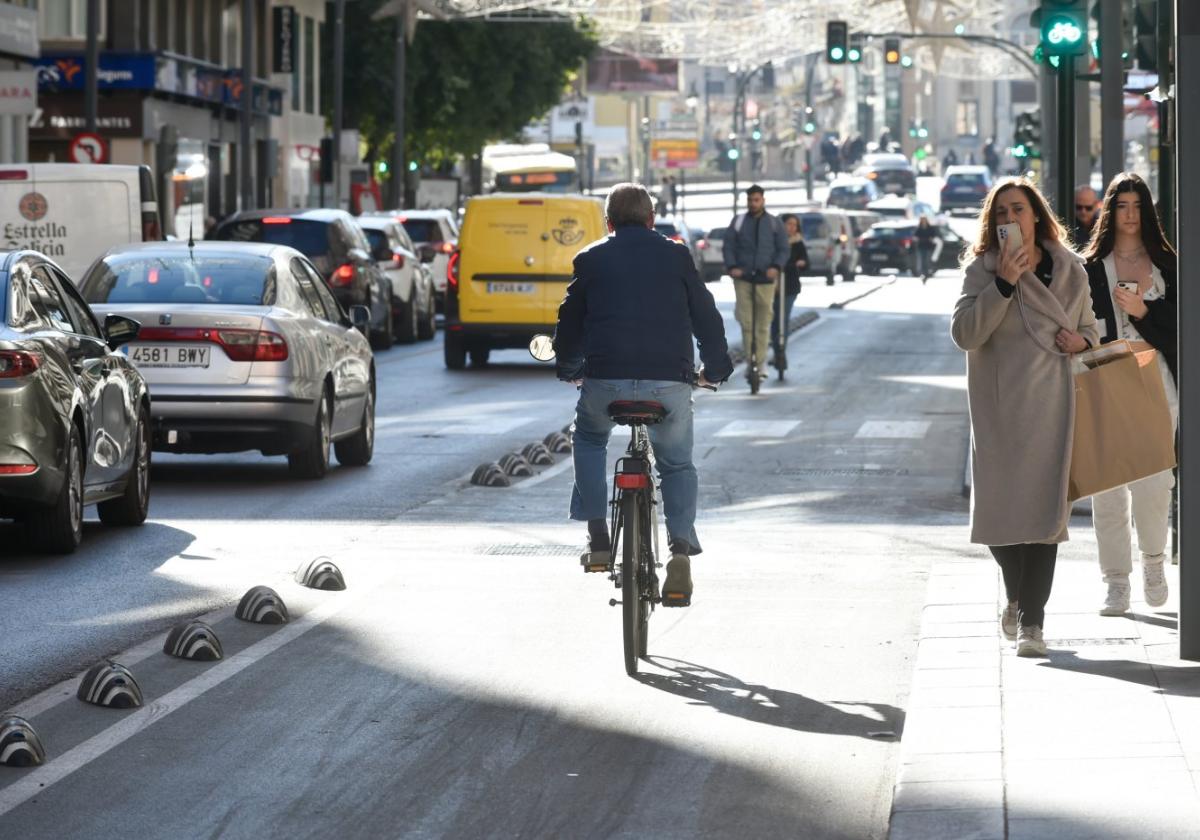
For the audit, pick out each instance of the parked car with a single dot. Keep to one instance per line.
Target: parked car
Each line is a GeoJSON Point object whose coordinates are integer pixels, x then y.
{"type": "Point", "coordinates": [890, 244]}
{"type": "Point", "coordinates": [891, 173]}
{"type": "Point", "coordinates": [677, 229]}
{"type": "Point", "coordinates": [712, 256]}
{"type": "Point", "coordinates": [512, 269]}
{"type": "Point", "coordinates": [435, 233]}
{"type": "Point", "coordinates": [965, 188]}
{"type": "Point", "coordinates": [829, 240]}
{"type": "Point", "coordinates": [414, 311]}
{"type": "Point", "coordinates": [41, 204]}
{"type": "Point", "coordinates": [244, 348]}
{"type": "Point", "coordinates": [852, 193]}
{"type": "Point", "coordinates": [338, 248]}
{"type": "Point", "coordinates": [76, 427]}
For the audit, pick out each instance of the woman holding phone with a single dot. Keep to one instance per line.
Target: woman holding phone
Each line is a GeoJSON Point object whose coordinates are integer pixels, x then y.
{"type": "Point", "coordinates": [1025, 308]}
{"type": "Point", "coordinates": [1131, 269]}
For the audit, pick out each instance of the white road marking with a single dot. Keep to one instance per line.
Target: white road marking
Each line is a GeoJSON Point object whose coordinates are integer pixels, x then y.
{"type": "Point", "coordinates": [758, 428]}
{"type": "Point", "coordinates": [895, 429]}
{"type": "Point", "coordinates": [457, 426]}
{"type": "Point", "coordinates": [59, 767]}
{"type": "Point", "coordinates": [544, 475]}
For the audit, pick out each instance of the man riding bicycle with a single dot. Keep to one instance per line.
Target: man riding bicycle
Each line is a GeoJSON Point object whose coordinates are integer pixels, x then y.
{"type": "Point", "coordinates": [755, 249]}
{"type": "Point", "coordinates": [625, 332]}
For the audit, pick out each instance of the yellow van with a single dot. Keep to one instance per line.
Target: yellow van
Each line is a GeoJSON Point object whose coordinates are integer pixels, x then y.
{"type": "Point", "coordinates": [512, 269]}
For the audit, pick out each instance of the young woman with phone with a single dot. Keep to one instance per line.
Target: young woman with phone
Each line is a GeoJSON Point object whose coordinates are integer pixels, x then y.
{"type": "Point", "coordinates": [1131, 269]}
{"type": "Point", "coordinates": [1024, 309]}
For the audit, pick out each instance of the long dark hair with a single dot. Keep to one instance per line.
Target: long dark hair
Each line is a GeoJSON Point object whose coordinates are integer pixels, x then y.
{"type": "Point", "coordinates": [1048, 227]}
{"type": "Point", "coordinates": [1104, 235]}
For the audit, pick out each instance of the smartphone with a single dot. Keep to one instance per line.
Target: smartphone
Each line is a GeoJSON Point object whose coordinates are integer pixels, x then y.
{"type": "Point", "coordinates": [1128, 285]}
{"type": "Point", "coordinates": [1010, 233]}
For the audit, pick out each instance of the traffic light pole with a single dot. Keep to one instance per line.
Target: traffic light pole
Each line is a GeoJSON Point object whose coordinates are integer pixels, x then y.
{"type": "Point", "coordinates": [1064, 170]}
{"type": "Point", "coordinates": [810, 67]}
{"type": "Point", "coordinates": [739, 108]}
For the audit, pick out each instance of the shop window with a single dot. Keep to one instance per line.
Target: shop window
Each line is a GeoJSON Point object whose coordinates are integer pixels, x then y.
{"type": "Point", "coordinates": [966, 118]}
{"type": "Point", "coordinates": [62, 20]}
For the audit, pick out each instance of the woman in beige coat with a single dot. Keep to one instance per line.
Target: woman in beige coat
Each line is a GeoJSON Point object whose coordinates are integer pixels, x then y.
{"type": "Point", "coordinates": [1022, 313]}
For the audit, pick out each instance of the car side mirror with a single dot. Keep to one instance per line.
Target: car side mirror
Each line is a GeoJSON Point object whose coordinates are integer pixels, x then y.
{"type": "Point", "coordinates": [120, 330]}
{"type": "Point", "coordinates": [542, 348]}
{"type": "Point", "coordinates": [360, 317]}
{"type": "Point", "coordinates": [358, 255]}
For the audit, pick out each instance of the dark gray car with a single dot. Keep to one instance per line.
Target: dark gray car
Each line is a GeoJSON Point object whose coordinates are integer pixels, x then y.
{"type": "Point", "coordinates": [76, 427]}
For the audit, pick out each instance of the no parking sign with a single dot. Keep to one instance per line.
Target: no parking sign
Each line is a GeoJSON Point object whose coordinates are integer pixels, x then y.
{"type": "Point", "coordinates": [88, 148]}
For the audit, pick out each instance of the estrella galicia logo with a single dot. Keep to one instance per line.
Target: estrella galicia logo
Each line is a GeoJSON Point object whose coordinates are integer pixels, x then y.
{"type": "Point", "coordinates": [33, 206]}
{"type": "Point", "coordinates": [568, 232]}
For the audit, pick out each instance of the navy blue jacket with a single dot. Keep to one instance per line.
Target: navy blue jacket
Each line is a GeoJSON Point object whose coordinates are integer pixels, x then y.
{"type": "Point", "coordinates": [632, 309]}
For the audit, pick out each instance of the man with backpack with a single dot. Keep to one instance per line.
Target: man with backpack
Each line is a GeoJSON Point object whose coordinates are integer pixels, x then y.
{"type": "Point", "coordinates": [755, 249]}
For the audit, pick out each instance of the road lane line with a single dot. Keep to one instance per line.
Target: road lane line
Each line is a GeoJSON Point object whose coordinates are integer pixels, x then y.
{"type": "Point", "coordinates": [545, 475]}
{"type": "Point", "coordinates": [58, 768]}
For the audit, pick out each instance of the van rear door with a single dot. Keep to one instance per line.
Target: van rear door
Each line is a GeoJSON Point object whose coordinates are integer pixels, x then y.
{"type": "Point", "coordinates": [570, 225]}
{"type": "Point", "coordinates": [502, 265]}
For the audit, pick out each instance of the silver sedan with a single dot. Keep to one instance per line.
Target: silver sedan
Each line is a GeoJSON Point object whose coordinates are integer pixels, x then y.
{"type": "Point", "coordinates": [243, 347]}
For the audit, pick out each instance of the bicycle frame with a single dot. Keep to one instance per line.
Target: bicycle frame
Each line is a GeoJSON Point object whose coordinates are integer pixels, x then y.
{"type": "Point", "coordinates": [635, 493]}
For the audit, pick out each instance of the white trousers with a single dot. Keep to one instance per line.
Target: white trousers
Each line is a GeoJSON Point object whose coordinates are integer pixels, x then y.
{"type": "Point", "coordinates": [1149, 501]}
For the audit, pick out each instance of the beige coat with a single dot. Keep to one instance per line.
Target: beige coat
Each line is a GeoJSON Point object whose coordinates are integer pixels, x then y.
{"type": "Point", "coordinates": [1022, 396]}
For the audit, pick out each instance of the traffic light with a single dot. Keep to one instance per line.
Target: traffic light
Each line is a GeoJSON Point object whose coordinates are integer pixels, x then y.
{"type": "Point", "coordinates": [756, 132]}
{"type": "Point", "coordinates": [810, 121]}
{"type": "Point", "coordinates": [1145, 34]}
{"type": "Point", "coordinates": [891, 51]}
{"type": "Point", "coordinates": [906, 61]}
{"type": "Point", "coordinates": [1027, 135]}
{"type": "Point", "coordinates": [836, 32]}
{"type": "Point", "coordinates": [768, 76]}
{"type": "Point", "coordinates": [732, 153]}
{"type": "Point", "coordinates": [1064, 27]}
{"type": "Point", "coordinates": [854, 53]}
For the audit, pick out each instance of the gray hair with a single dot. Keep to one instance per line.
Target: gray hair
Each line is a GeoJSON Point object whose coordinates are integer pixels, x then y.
{"type": "Point", "coordinates": [628, 204]}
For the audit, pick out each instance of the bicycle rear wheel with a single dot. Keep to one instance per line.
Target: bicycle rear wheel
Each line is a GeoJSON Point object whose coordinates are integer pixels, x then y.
{"type": "Point", "coordinates": [631, 602]}
{"type": "Point", "coordinates": [647, 571]}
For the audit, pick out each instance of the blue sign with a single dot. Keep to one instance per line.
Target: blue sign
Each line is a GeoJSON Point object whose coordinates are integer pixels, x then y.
{"type": "Point", "coordinates": [118, 71]}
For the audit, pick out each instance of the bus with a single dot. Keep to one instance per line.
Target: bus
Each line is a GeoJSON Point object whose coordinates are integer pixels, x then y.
{"type": "Point", "coordinates": [530, 167]}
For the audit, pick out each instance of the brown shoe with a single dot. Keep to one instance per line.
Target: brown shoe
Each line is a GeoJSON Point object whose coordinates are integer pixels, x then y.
{"type": "Point", "coordinates": [677, 589]}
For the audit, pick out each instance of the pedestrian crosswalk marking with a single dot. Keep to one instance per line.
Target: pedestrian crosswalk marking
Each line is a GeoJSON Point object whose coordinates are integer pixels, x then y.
{"type": "Point", "coordinates": [896, 429]}
{"type": "Point", "coordinates": [758, 428]}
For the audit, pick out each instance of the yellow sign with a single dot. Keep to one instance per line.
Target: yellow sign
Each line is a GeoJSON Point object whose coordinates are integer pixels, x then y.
{"type": "Point", "coordinates": [675, 153]}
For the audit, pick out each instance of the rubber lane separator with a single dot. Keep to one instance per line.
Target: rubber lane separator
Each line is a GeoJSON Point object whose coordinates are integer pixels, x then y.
{"type": "Point", "coordinates": [58, 768]}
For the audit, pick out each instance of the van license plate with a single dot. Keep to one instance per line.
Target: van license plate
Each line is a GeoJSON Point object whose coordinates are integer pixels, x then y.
{"type": "Point", "coordinates": [510, 288]}
{"type": "Point", "coordinates": [170, 355]}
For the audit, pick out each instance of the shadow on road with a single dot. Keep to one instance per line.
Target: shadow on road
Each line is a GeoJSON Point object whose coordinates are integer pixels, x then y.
{"type": "Point", "coordinates": [772, 706]}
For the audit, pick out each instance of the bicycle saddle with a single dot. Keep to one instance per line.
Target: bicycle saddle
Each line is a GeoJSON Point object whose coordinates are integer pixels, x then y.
{"type": "Point", "coordinates": [633, 412]}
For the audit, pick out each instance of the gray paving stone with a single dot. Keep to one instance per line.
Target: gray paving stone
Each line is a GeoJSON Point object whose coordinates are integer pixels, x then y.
{"type": "Point", "coordinates": [956, 677]}
{"type": "Point", "coordinates": [952, 696]}
{"type": "Point", "coordinates": [948, 795]}
{"type": "Point", "coordinates": [973, 824]}
{"type": "Point", "coordinates": [952, 730]}
{"type": "Point", "coordinates": [942, 613]}
{"type": "Point", "coordinates": [942, 767]}
{"type": "Point", "coordinates": [960, 629]}
{"type": "Point", "coordinates": [934, 658]}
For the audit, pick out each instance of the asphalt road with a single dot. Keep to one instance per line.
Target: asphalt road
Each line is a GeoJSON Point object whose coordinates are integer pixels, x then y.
{"type": "Point", "coordinates": [469, 682]}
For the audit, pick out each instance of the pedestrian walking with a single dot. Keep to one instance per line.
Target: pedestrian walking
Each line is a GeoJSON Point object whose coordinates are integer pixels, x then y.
{"type": "Point", "coordinates": [1131, 269]}
{"type": "Point", "coordinates": [797, 261]}
{"type": "Point", "coordinates": [1023, 311]}
{"type": "Point", "coordinates": [927, 237]}
{"type": "Point", "coordinates": [755, 250]}
{"type": "Point", "coordinates": [1086, 208]}
{"type": "Point", "coordinates": [991, 158]}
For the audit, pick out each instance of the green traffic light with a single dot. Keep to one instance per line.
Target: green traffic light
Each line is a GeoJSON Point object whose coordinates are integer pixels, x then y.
{"type": "Point", "coordinates": [382, 167]}
{"type": "Point", "coordinates": [906, 61]}
{"type": "Point", "coordinates": [1063, 32]}
{"type": "Point", "coordinates": [810, 127]}
{"type": "Point", "coordinates": [854, 55]}
{"type": "Point", "coordinates": [756, 135]}
{"type": "Point", "coordinates": [732, 154]}
{"type": "Point", "coordinates": [836, 53]}
{"type": "Point", "coordinates": [412, 166]}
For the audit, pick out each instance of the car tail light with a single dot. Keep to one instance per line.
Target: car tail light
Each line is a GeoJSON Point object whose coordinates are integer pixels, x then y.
{"type": "Point", "coordinates": [702, 245]}
{"type": "Point", "coordinates": [13, 175]}
{"type": "Point", "coordinates": [343, 275]}
{"type": "Point", "coordinates": [446, 248]}
{"type": "Point", "coordinates": [277, 220]}
{"type": "Point", "coordinates": [401, 219]}
{"type": "Point", "coordinates": [632, 481]}
{"type": "Point", "coordinates": [906, 243]}
{"type": "Point", "coordinates": [862, 240]}
{"type": "Point", "coordinates": [452, 269]}
{"type": "Point", "coordinates": [17, 363]}
{"type": "Point", "coordinates": [872, 175]}
{"type": "Point", "coordinates": [398, 259]}
{"type": "Point", "coordinates": [239, 345]}
{"type": "Point", "coordinates": [18, 469]}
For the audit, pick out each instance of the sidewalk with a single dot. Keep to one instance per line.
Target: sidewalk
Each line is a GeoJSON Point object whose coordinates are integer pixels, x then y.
{"type": "Point", "coordinates": [1100, 740]}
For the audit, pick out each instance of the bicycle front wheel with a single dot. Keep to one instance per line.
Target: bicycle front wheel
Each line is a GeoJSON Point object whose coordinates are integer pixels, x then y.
{"type": "Point", "coordinates": [631, 552]}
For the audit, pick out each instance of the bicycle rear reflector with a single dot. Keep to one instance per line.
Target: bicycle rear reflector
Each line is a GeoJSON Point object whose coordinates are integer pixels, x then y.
{"type": "Point", "coordinates": [632, 481]}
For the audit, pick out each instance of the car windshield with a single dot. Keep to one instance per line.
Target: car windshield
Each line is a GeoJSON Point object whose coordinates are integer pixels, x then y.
{"type": "Point", "coordinates": [308, 237]}
{"type": "Point", "coordinates": [378, 239]}
{"type": "Point", "coordinates": [422, 230]}
{"type": "Point", "coordinates": [814, 227]}
{"type": "Point", "coordinates": [899, 211]}
{"type": "Point", "coordinates": [966, 179]}
{"type": "Point", "coordinates": [848, 189]}
{"type": "Point", "coordinates": [887, 232]}
{"type": "Point", "coordinates": [180, 278]}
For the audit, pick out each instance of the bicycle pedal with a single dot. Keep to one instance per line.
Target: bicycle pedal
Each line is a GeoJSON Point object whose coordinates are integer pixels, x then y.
{"type": "Point", "coordinates": [595, 567]}
{"type": "Point", "coordinates": [676, 599]}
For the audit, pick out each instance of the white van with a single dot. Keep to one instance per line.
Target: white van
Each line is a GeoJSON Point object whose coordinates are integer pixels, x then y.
{"type": "Point", "coordinates": [74, 212]}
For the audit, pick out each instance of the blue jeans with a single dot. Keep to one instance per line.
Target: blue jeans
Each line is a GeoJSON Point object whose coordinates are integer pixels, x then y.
{"type": "Point", "coordinates": [788, 302]}
{"type": "Point", "coordinates": [924, 261]}
{"type": "Point", "coordinates": [671, 440]}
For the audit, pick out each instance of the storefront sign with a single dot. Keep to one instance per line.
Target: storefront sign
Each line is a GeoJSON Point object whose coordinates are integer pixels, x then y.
{"type": "Point", "coordinates": [284, 31]}
{"type": "Point", "coordinates": [18, 91]}
{"type": "Point", "coordinates": [118, 71]}
{"type": "Point", "coordinates": [61, 117]}
{"type": "Point", "coordinates": [19, 31]}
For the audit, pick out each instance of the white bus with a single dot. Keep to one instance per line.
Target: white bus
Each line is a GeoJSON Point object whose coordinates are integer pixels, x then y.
{"type": "Point", "coordinates": [530, 167]}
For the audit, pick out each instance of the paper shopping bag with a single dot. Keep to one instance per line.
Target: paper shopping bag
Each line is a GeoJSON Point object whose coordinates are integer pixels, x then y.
{"type": "Point", "coordinates": [1123, 429]}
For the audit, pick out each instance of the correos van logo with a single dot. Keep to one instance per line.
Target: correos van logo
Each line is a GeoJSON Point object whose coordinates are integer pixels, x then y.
{"type": "Point", "coordinates": [33, 206]}
{"type": "Point", "coordinates": [568, 232]}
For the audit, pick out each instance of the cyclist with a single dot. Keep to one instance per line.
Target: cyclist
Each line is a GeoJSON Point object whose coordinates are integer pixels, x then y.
{"type": "Point", "coordinates": [625, 332]}
{"type": "Point", "coordinates": [755, 249]}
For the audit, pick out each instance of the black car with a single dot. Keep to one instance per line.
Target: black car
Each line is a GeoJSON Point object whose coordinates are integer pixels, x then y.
{"type": "Point", "coordinates": [338, 248]}
{"type": "Point", "coordinates": [76, 427]}
{"type": "Point", "coordinates": [891, 173]}
{"type": "Point", "coordinates": [893, 245]}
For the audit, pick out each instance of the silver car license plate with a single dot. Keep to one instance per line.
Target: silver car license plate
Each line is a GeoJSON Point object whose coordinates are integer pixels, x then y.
{"type": "Point", "coordinates": [169, 355]}
{"type": "Point", "coordinates": [510, 288]}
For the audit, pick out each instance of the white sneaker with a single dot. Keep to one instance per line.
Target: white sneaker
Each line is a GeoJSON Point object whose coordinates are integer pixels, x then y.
{"type": "Point", "coordinates": [1154, 583]}
{"type": "Point", "coordinates": [1008, 621]}
{"type": "Point", "coordinates": [1117, 600]}
{"type": "Point", "coordinates": [1029, 641]}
